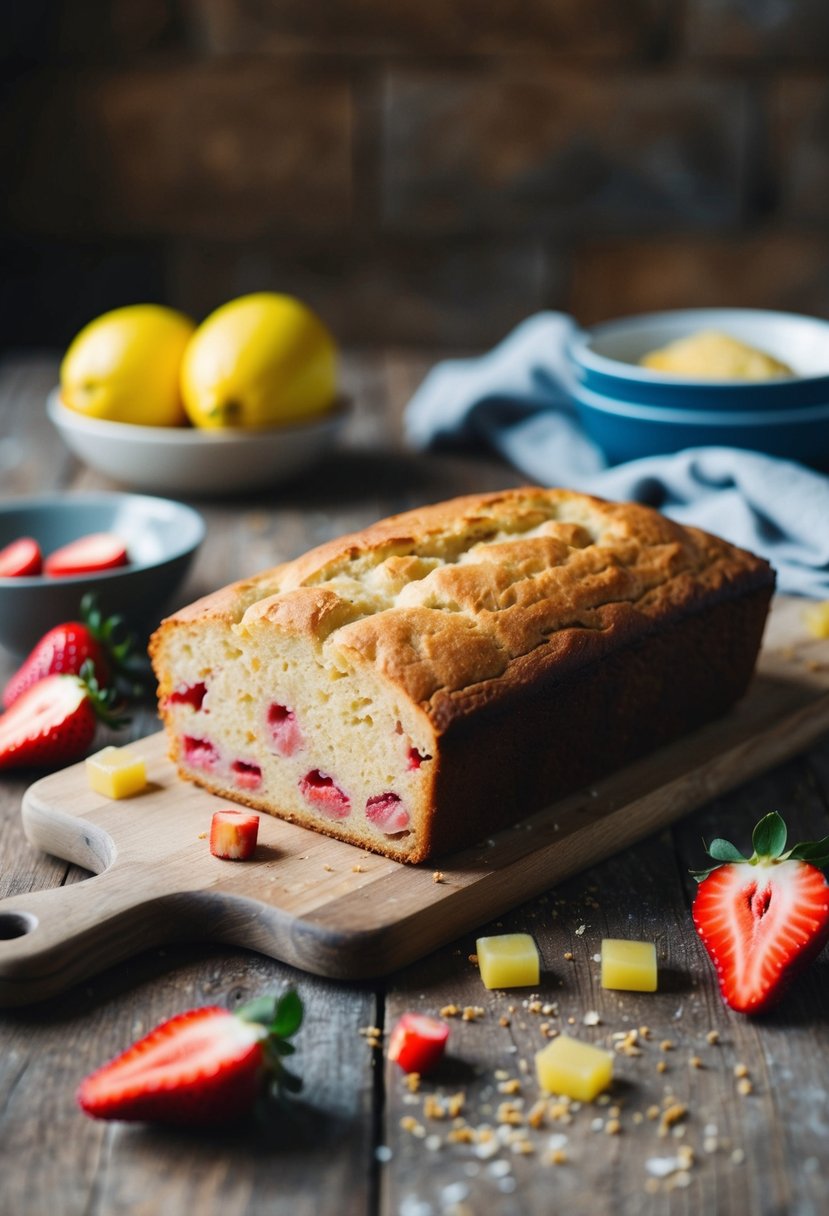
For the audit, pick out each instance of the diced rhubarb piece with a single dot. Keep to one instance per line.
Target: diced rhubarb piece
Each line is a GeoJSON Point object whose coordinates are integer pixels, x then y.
{"type": "Point", "coordinates": [188, 694]}
{"type": "Point", "coordinates": [283, 728]}
{"type": "Point", "coordinates": [21, 558]}
{"type": "Point", "coordinates": [324, 796]}
{"type": "Point", "coordinates": [417, 1042]}
{"type": "Point", "coordinates": [246, 774]}
{"type": "Point", "coordinates": [387, 812]}
{"type": "Point", "coordinates": [233, 834]}
{"type": "Point", "coordinates": [200, 753]}
{"type": "Point", "coordinates": [415, 758]}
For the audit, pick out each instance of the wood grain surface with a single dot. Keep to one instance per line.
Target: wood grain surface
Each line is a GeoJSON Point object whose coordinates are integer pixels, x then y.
{"type": "Point", "coordinates": [358, 1142]}
{"type": "Point", "coordinates": [339, 911]}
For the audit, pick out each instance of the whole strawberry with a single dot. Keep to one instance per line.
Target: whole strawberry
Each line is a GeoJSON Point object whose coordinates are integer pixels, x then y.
{"type": "Point", "coordinates": [763, 918]}
{"type": "Point", "coordinates": [202, 1067]}
{"type": "Point", "coordinates": [66, 647]}
{"type": "Point", "coordinates": [54, 721]}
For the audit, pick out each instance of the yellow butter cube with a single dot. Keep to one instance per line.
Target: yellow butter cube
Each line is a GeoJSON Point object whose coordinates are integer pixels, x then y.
{"type": "Point", "coordinates": [508, 961]}
{"type": "Point", "coordinates": [628, 965]}
{"type": "Point", "coordinates": [574, 1069]}
{"type": "Point", "coordinates": [816, 619]}
{"type": "Point", "coordinates": [116, 772]}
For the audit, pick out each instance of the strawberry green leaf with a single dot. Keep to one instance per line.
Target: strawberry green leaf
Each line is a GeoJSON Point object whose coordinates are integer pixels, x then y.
{"type": "Point", "coordinates": [724, 850]}
{"type": "Point", "coordinates": [816, 852]}
{"type": "Point", "coordinates": [769, 837]}
{"type": "Point", "coordinates": [261, 1010]}
{"type": "Point", "coordinates": [288, 1016]}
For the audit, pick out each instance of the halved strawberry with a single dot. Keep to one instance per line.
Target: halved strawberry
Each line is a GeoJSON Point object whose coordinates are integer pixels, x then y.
{"type": "Point", "coordinates": [87, 555]}
{"type": "Point", "coordinates": [66, 647]}
{"type": "Point", "coordinates": [54, 721]}
{"type": "Point", "coordinates": [202, 1067]}
{"type": "Point", "coordinates": [417, 1042]}
{"type": "Point", "coordinates": [21, 558]}
{"type": "Point", "coordinates": [763, 918]}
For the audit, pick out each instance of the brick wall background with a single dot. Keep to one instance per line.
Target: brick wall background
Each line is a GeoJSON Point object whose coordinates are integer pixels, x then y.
{"type": "Point", "coordinates": [421, 171]}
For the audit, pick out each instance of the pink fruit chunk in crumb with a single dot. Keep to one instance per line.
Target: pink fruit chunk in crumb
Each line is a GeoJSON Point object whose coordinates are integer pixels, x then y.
{"type": "Point", "coordinates": [324, 796]}
{"type": "Point", "coordinates": [233, 834]}
{"type": "Point", "coordinates": [415, 759]}
{"type": "Point", "coordinates": [200, 753]}
{"type": "Point", "coordinates": [188, 694]}
{"type": "Point", "coordinates": [246, 774]}
{"type": "Point", "coordinates": [283, 728]}
{"type": "Point", "coordinates": [387, 812]}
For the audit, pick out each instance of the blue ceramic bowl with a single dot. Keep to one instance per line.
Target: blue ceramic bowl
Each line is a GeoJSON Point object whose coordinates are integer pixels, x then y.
{"type": "Point", "coordinates": [626, 431]}
{"type": "Point", "coordinates": [604, 360]}
{"type": "Point", "coordinates": [162, 538]}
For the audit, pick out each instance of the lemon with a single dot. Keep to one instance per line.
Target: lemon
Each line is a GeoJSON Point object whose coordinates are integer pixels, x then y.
{"type": "Point", "coordinates": [258, 361]}
{"type": "Point", "coordinates": [125, 366]}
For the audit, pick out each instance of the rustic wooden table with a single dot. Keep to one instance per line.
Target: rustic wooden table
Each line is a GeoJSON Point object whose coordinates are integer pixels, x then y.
{"type": "Point", "coordinates": [678, 1134]}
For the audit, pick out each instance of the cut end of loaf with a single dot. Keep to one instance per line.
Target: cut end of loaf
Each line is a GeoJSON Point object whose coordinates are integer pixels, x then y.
{"type": "Point", "coordinates": [279, 725]}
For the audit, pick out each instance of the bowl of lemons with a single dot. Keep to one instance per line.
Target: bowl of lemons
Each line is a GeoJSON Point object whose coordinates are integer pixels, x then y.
{"type": "Point", "coordinates": [242, 402]}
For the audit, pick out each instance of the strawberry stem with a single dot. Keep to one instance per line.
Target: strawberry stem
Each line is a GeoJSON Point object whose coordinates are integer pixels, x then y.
{"type": "Point", "coordinates": [103, 700]}
{"type": "Point", "coordinates": [768, 840]}
{"type": "Point", "coordinates": [282, 1017]}
{"type": "Point", "coordinates": [120, 645]}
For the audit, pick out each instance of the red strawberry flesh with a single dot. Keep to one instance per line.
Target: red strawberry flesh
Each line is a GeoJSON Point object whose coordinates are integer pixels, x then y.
{"type": "Point", "coordinates": [233, 834]}
{"type": "Point", "coordinates": [417, 1042]}
{"type": "Point", "coordinates": [21, 559]}
{"type": "Point", "coordinates": [388, 813]}
{"type": "Point", "coordinates": [286, 737]}
{"type": "Point", "coordinates": [189, 694]}
{"type": "Point", "coordinates": [198, 1068]}
{"type": "Point", "coordinates": [65, 648]}
{"type": "Point", "coordinates": [246, 774]}
{"type": "Point", "coordinates": [87, 555]}
{"type": "Point", "coordinates": [51, 723]}
{"type": "Point", "coordinates": [761, 924]}
{"type": "Point", "coordinates": [324, 796]}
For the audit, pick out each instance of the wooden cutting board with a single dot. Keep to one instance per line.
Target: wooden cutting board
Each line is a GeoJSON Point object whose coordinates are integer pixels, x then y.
{"type": "Point", "coordinates": [334, 909]}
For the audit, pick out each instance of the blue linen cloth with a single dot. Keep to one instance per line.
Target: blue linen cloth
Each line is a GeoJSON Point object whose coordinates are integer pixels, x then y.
{"type": "Point", "coordinates": [516, 399]}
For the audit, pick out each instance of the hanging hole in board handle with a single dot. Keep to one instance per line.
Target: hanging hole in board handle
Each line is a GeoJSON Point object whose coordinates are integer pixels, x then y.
{"type": "Point", "coordinates": [16, 924]}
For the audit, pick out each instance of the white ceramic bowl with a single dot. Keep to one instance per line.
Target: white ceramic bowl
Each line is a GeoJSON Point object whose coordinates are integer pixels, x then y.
{"type": "Point", "coordinates": [189, 461]}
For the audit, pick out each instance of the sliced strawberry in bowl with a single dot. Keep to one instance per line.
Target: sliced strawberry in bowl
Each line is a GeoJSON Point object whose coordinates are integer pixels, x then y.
{"type": "Point", "coordinates": [21, 559]}
{"type": "Point", "coordinates": [763, 918]}
{"type": "Point", "coordinates": [87, 555]}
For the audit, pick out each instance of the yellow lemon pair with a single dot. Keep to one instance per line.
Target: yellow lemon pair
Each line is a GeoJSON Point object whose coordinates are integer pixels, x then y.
{"type": "Point", "coordinates": [261, 360]}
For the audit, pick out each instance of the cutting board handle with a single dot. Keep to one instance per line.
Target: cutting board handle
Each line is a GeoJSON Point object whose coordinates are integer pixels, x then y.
{"type": "Point", "coordinates": [51, 939]}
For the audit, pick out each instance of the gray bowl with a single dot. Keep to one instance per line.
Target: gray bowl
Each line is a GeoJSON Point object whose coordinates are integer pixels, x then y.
{"type": "Point", "coordinates": [162, 538]}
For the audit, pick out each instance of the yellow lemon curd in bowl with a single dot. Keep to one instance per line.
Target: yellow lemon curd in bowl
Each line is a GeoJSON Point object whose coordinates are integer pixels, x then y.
{"type": "Point", "coordinates": [710, 355]}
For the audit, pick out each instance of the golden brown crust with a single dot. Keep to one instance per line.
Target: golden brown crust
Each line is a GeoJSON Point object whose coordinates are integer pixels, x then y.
{"type": "Point", "coordinates": [457, 603]}
{"type": "Point", "coordinates": [533, 639]}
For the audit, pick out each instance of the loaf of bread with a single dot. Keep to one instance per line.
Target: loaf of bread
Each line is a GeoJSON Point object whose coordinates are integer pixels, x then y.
{"type": "Point", "coordinates": [416, 686]}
